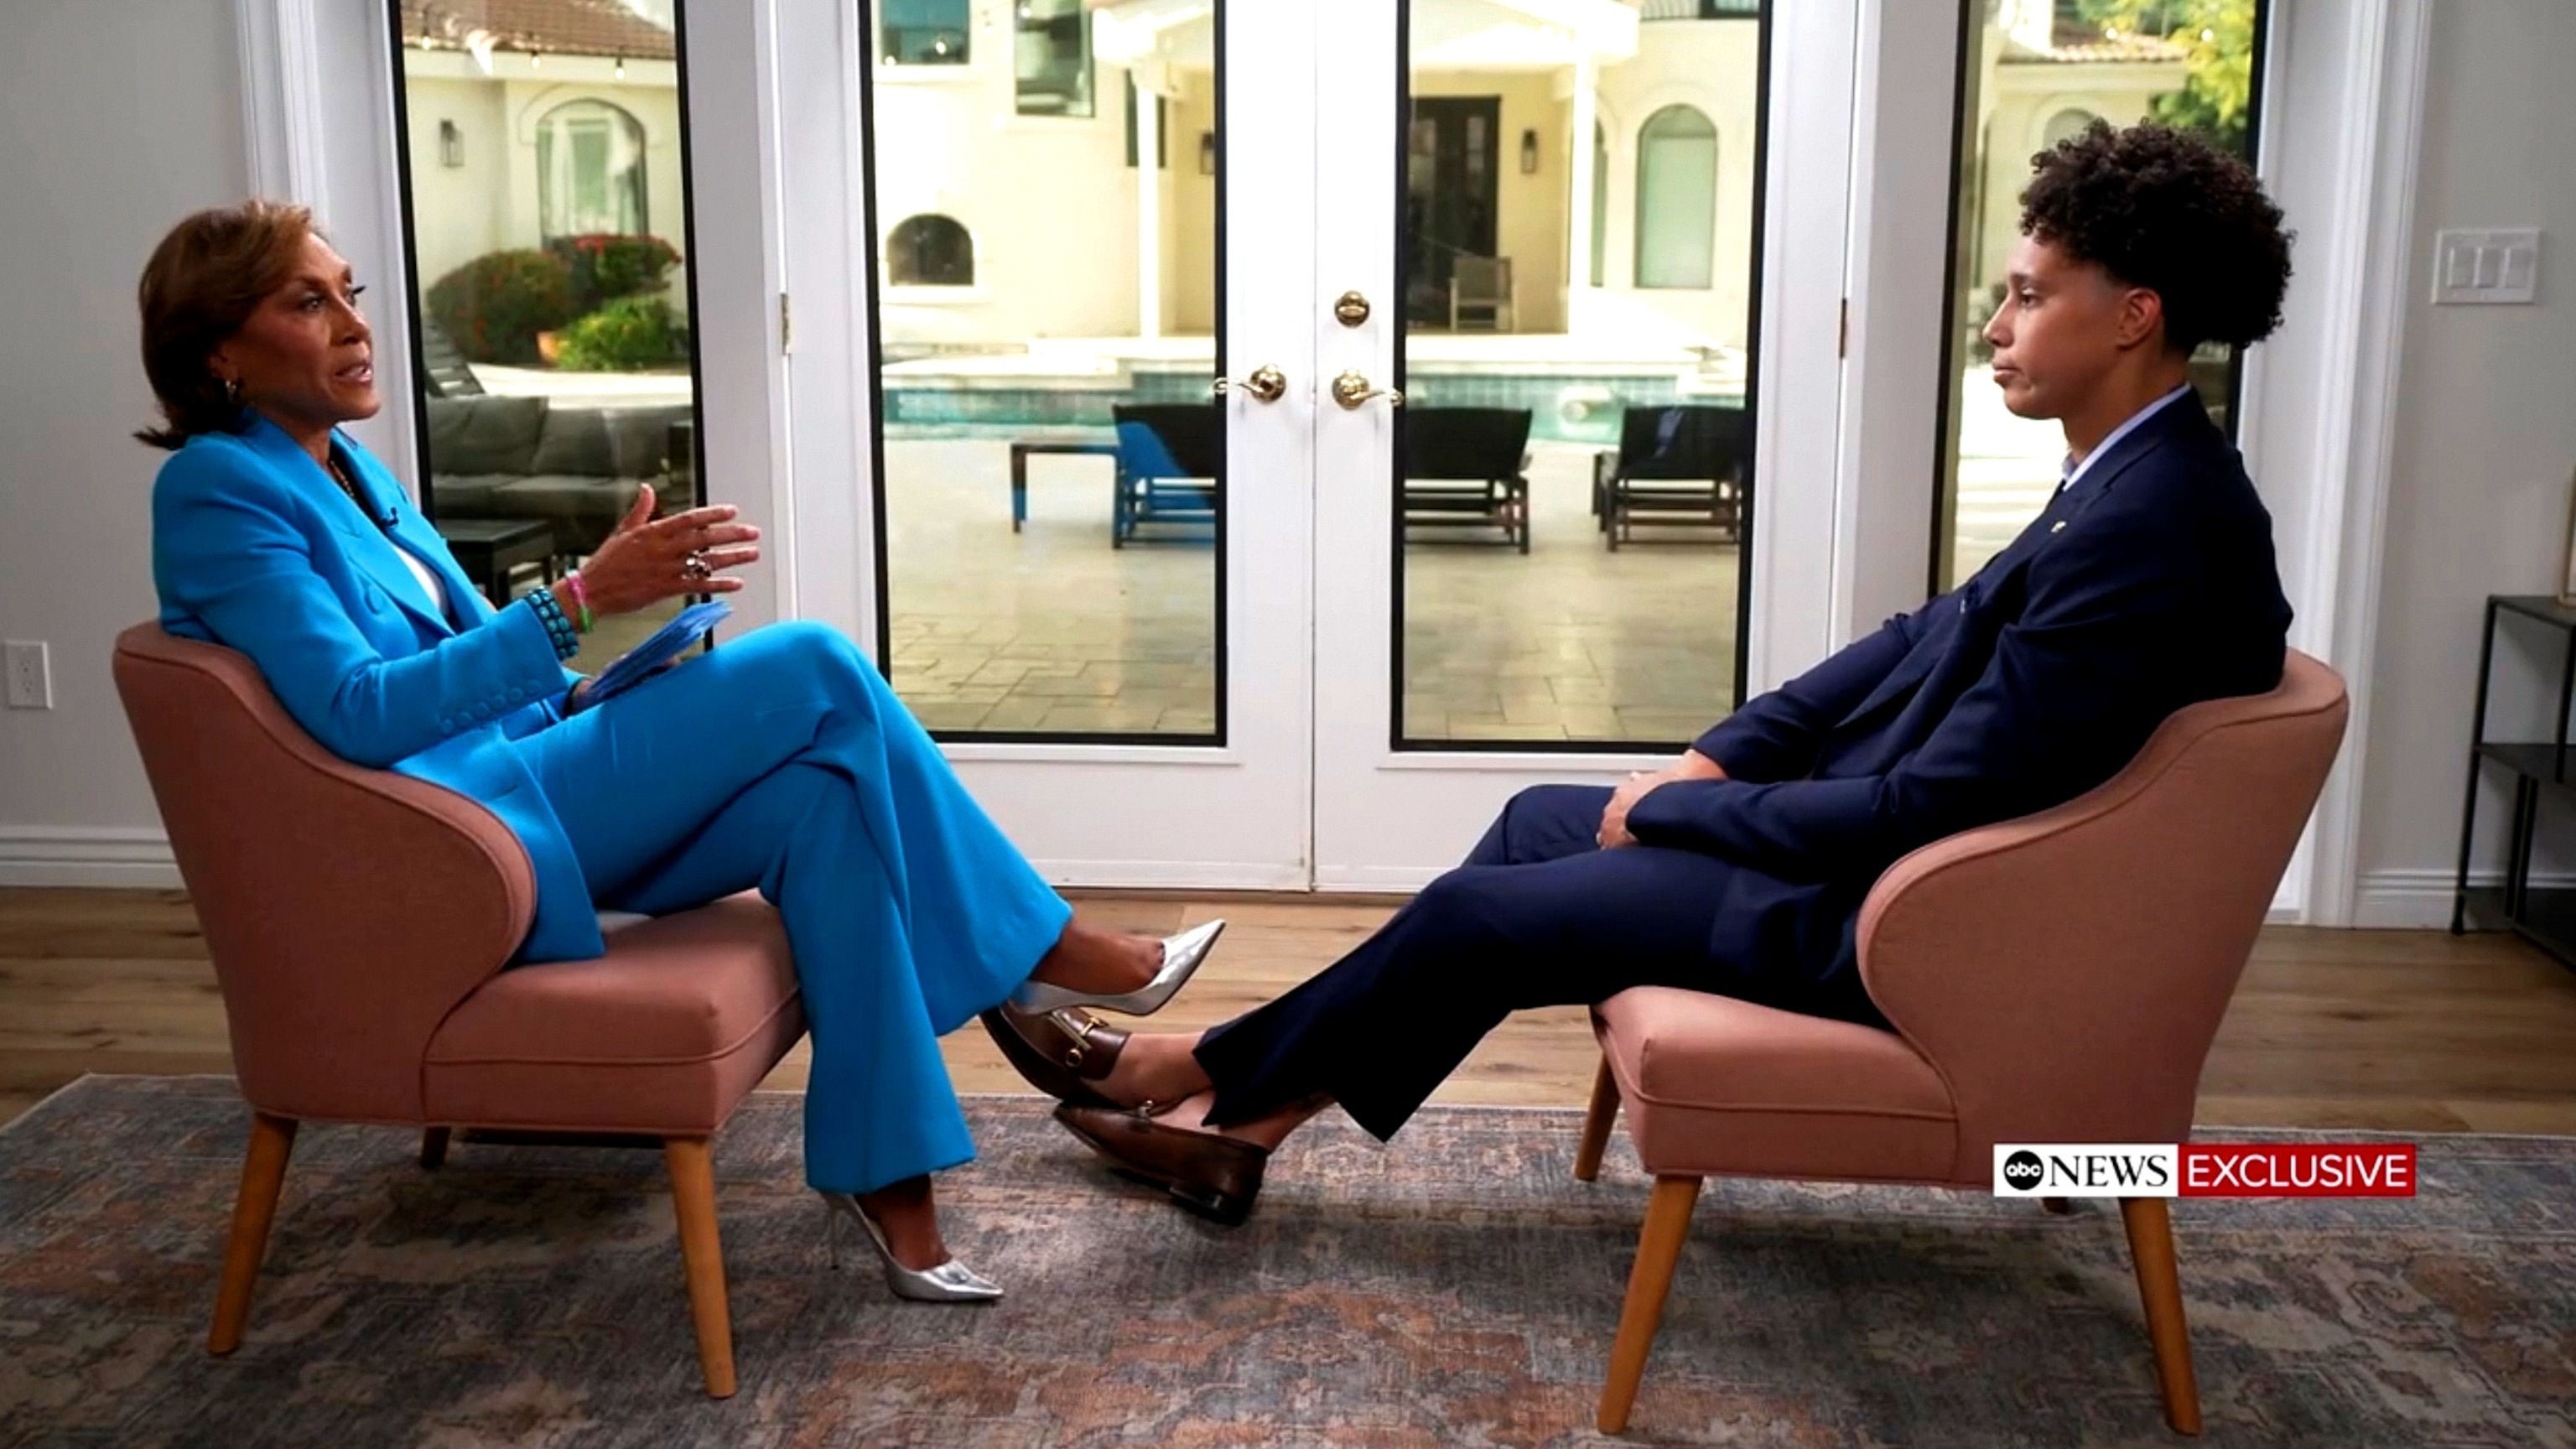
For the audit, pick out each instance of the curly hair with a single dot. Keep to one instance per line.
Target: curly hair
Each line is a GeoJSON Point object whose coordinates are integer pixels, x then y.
{"type": "Point", "coordinates": [2165, 210]}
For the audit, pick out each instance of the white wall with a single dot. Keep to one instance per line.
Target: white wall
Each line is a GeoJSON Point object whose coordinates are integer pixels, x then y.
{"type": "Point", "coordinates": [2485, 434]}
{"type": "Point", "coordinates": [121, 116]}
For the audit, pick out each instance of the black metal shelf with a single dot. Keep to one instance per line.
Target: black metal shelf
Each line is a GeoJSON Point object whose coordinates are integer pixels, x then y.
{"type": "Point", "coordinates": [2541, 769]}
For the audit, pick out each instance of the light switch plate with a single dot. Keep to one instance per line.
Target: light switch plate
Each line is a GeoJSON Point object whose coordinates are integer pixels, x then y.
{"type": "Point", "coordinates": [2486, 267]}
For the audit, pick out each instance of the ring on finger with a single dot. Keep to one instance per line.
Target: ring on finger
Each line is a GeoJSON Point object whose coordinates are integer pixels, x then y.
{"type": "Point", "coordinates": [695, 566]}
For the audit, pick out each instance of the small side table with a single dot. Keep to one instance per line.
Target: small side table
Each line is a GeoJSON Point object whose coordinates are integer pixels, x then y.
{"type": "Point", "coordinates": [491, 549]}
{"type": "Point", "coordinates": [1068, 446]}
{"type": "Point", "coordinates": [2540, 770]}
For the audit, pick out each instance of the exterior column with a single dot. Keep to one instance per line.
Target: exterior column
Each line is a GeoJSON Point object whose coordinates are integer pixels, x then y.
{"type": "Point", "coordinates": [1578, 184]}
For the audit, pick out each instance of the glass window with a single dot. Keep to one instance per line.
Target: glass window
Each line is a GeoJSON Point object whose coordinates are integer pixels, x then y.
{"type": "Point", "coordinates": [1162, 128]}
{"type": "Point", "coordinates": [930, 251]}
{"type": "Point", "coordinates": [1051, 486]}
{"type": "Point", "coordinates": [2038, 72]}
{"type": "Point", "coordinates": [1573, 462]}
{"type": "Point", "coordinates": [590, 170]}
{"type": "Point", "coordinates": [1053, 58]}
{"type": "Point", "coordinates": [1600, 201]}
{"type": "Point", "coordinates": [556, 375]}
{"type": "Point", "coordinates": [923, 32]}
{"type": "Point", "coordinates": [1676, 199]}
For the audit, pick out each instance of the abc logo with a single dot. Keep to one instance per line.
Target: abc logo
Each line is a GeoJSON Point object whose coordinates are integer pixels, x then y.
{"type": "Point", "coordinates": [2023, 1170]}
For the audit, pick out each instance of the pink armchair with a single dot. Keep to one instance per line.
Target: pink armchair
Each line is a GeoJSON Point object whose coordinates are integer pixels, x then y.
{"type": "Point", "coordinates": [2053, 979]}
{"type": "Point", "coordinates": [359, 921]}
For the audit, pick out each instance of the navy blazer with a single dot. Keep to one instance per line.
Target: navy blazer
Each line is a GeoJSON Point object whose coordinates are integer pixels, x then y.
{"type": "Point", "coordinates": [2147, 586]}
{"type": "Point", "coordinates": [255, 547]}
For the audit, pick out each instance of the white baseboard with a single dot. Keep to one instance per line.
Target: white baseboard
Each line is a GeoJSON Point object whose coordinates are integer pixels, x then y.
{"type": "Point", "coordinates": [130, 857]}
{"type": "Point", "coordinates": [2421, 899]}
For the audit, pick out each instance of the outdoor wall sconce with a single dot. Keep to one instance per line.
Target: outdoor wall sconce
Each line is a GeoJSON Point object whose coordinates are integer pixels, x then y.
{"type": "Point", "coordinates": [1529, 153]}
{"type": "Point", "coordinates": [1207, 153]}
{"type": "Point", "coordinates": [451, 144]}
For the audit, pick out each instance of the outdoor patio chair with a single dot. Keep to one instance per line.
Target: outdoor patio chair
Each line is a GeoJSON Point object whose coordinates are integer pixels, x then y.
{"type": "Point", "coordinates": [1681, 465]}
{"type": "Point", "coordinates": [1468, 466]}
{"type": "Point", "coordinates": [1482, 285]}
{"type": "Point", "coordinates": [1168, 460]}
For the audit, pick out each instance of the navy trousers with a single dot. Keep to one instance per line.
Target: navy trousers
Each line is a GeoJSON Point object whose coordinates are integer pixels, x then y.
{"type": "Point", "coordinates": [1538, 916]}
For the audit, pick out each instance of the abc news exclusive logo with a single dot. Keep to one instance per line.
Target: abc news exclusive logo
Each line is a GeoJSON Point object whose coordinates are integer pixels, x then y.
{"type": "Point", "coordinates": [2205, 1169]}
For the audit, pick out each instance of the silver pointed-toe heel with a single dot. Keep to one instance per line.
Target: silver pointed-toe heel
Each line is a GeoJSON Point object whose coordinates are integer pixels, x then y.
{"type": "Point", "coordinates": [1181, 956]}
{"type": "Point", "coordinates": [950, 1282]}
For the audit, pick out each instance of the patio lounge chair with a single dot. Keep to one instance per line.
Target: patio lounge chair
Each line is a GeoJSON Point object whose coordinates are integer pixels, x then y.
{"type": "Point", "coordinates": [1467, 466]}
{"type": "Point", "coordinates": [1680, 465]}
{"type": "Point", "coordinates": [1168, 460]}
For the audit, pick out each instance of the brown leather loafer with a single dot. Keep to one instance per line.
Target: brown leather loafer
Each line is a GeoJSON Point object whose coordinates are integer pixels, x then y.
{"type": "Point", "coordinates": [1215, 1177]}
{"type": "Point", "coordinates": [1058, 1052]}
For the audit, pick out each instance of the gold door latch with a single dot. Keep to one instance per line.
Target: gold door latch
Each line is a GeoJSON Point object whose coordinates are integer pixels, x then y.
{"type": "Point", "coordinates": [1267, 384]}
{"type": "Point", "coordinates": [1351, 309]}
{"type": "Point", "coordinates": [1352, 389]}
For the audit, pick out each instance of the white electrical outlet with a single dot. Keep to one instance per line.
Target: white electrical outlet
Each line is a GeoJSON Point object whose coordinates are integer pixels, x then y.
{"type": "Point", "coordinates": [31, 676]}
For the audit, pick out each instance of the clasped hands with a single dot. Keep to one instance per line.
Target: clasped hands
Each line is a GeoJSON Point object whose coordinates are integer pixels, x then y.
{"type": "Point", "coordinates": [1614, 818]}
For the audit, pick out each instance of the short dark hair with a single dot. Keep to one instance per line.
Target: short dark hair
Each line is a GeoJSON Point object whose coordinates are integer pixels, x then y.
{"type": "Point", "coordinates": [2165, 210]}
{"type": "Point", "coordinates": [204, 281]}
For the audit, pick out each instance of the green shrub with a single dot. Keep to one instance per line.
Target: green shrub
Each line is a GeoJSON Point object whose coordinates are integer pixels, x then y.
{"type": "Point", "coordinates": [607, 266]}
{"type": "Point", "coordinates": [630, 334]}
{"type": "Point", "coordinates": [494, 306]}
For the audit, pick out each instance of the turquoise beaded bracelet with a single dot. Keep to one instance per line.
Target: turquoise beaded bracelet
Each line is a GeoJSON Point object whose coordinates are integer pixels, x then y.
{"type": "Point", "coordinates": [558, 628]}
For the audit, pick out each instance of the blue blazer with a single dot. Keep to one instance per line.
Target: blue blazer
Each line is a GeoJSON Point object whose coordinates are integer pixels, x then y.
{"type": "Point", "coordinates": [255, 547]}
{"type": "Point", "coordinates": [2147, 586]}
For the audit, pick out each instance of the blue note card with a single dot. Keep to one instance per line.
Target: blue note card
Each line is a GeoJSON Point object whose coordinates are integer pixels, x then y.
{"type": "Point", "coordinates": [668, 643]}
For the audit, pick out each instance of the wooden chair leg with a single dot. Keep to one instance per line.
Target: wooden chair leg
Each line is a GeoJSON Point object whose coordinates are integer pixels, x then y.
{"type": "Point", "coordinates": [433, 1148]}
{"type": "Point", "coordinates": [693, 1197]}
{"type": "Point", "coordinates": [1597, 1124]}
{"type": "Point", "coordinates": [2151, 1249]}
{"type": "Point", "coordinates": [1659, 1249]}
{"type": "Point", "coordinates": [263, 1176]}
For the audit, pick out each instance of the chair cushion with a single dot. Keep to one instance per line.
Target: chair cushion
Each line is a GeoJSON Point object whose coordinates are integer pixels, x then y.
{"type": "Point", "coordinates": [663, 1035]}
{"type": "Point", "coordinates": [604, 442]}
{"type": "Point", "coordinates": [565, 496]}
{"type": "Point", "coordinates": [1712, 1085]}
{"type": "Point", "coordinates": [484, 434]}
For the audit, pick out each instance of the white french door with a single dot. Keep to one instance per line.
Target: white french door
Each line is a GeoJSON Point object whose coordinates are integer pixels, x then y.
{"type": "Point", "coordinates": [1022, 249]}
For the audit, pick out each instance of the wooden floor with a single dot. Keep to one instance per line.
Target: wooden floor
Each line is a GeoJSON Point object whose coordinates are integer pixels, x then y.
{"type": "Point", "coordinates": [2400, 1030]}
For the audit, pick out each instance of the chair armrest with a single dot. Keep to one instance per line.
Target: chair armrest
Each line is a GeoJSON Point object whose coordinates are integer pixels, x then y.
{"type": "Point", "coordinates": [348, 911]}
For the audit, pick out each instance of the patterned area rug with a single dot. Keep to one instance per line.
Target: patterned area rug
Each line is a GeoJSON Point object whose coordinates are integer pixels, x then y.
{"type": "Point", "coordinates": [1459, 1288]}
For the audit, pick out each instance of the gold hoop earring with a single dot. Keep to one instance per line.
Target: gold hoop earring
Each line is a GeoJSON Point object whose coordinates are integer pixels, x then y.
{"type": "Point", "coordinates": [232, 391]}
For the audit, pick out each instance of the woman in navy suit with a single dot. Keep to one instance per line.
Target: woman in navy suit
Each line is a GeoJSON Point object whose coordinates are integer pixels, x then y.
{"type": "Point", "coordinates": [780, 761]}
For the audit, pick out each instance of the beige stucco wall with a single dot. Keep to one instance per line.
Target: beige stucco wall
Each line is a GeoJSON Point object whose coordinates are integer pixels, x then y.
{"type": "Point", "coordinates": [490, 201]}
{"type": "Point", "coordinates": [1711, 65]}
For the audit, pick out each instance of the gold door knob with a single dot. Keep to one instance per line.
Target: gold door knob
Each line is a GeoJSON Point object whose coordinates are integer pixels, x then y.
{"type": "Point", "coordinates": [1351, 389]}
{"type": "Point", "coordinates": [1351, 309]}
{"type": "Point", "coordinates": [1267, 384]}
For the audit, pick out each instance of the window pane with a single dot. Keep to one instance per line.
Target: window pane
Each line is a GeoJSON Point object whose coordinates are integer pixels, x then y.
{"type": "Point", "coordinates": [1051, 460]}
{"type": "Point", "coordinates": [1053, 59]}
{"type": "Point", "coordinates": [2040, 71]}
{"type": "Point", "coordinates": [1676, 199]}
{"type": "Point", "coordinates": [552, 309]}
{"type": "Point", "coordinates": [1573, 461]}
{"type": "Point", "coordinates": [923, 32]}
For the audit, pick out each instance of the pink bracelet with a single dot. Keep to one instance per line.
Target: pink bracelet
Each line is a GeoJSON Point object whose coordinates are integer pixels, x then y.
{"type": "Point", "coordinates": [580, 600]}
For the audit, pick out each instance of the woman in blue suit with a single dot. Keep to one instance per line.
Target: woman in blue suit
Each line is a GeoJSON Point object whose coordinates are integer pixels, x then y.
{"type": "Point", "coordinates": [780, 761]}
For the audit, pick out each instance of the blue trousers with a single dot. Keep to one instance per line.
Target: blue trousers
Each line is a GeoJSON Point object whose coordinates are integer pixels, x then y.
{"type": "Point", "coordinates": [1538, 915]}
{"type": "Point", "coordinates": [782, 761]}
